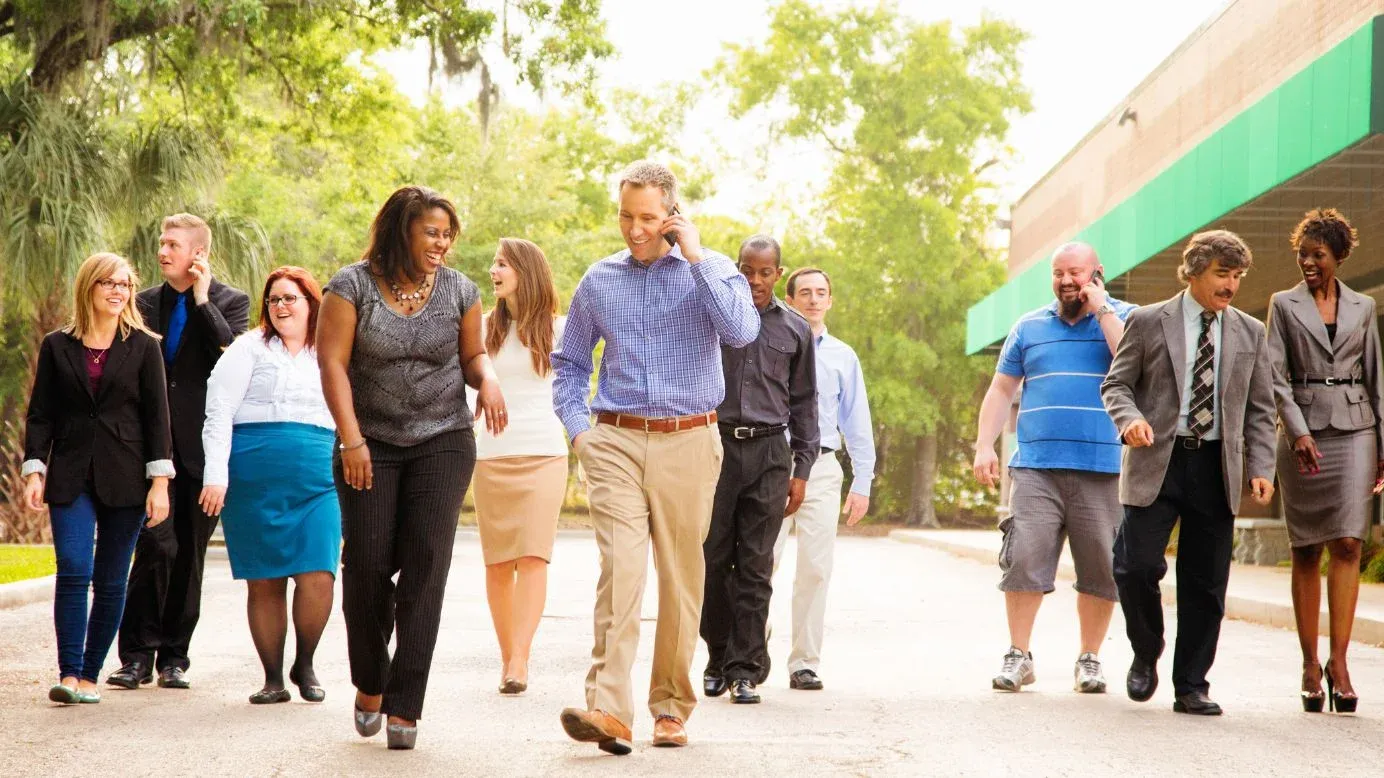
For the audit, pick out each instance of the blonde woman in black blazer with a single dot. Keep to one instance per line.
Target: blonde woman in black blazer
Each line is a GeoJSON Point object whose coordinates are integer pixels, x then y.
{"type": "Point", "coordinates": [98, 450]}
{"type": "Point", "coordinates": [1324, 341]}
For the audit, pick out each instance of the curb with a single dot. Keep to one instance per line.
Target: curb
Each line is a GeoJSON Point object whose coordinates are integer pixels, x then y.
{"type": "Point", "coordinates": [20, 593]}
{"type": "Point", "coordinates": [1272, 614]}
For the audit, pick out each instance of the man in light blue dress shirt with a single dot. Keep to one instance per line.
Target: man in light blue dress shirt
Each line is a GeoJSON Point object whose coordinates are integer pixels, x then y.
{"type": "Point", "coordinates": [843, 413]}
{"type": "Point", "coordinates": [663, 307]}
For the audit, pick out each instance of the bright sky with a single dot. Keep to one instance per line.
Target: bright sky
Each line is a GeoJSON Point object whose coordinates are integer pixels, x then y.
{"type": "Point", "coordinates": [1082, 59]}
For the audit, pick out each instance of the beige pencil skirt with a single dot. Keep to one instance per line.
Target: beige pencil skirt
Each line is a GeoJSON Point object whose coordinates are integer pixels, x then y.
{"type": "Point", "coordinates": [517, 503]}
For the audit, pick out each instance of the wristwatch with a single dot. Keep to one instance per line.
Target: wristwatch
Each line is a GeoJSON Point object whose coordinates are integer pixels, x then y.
{"type": "Point", "coordinates": [1104, 309]}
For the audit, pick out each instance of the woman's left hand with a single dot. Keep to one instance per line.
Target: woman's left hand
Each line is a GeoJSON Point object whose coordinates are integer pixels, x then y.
{"type": "Point", "coordinates": [490, 403]}
{"type": "Point", "coordinates": [1379, 478]}
{"type": "Point", "coordinates": [156, 504]}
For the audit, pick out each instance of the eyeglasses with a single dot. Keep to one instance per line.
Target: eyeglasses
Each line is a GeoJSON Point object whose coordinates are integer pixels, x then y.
{"type": "Point", "coordinates": [109, 284]}
{"type": "Point", "coordinates": [288, 300]}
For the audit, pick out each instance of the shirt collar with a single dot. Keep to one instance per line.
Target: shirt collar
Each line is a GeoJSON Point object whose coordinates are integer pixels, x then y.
{"type": "Point", "coordinates": [675, 253]}
{"type": "Point", "coordinates": [1192, 310]}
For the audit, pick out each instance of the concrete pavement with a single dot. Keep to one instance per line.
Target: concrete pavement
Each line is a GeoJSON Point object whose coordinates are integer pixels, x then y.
{"type": "Point", "coordinates": [914, 635]}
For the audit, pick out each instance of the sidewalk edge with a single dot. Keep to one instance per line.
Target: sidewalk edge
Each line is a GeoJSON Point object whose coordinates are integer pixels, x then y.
{"type": "Point", "coordinates": [20, 593]}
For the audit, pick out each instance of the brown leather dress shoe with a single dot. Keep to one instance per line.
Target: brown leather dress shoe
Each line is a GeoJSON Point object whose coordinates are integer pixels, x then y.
{"type": "Point", "coordinates": [597, 727]}
{"type": "Point", "coordinates": [669, 732]}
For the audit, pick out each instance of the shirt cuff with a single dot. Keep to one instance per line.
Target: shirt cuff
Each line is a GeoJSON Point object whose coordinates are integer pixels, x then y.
{"type": "Point", "coordinates": [803, 470]}
{"type": "Point", "coordinates": [159, 468]}
{"type": "Point", "coordinates": [861, 488]}
{"type": "Point", "coordinates": [576, 426]}
{"type": "Point", "coordinates": [32, 466]}
{"type": "Point", "coordinates": [215, 475]}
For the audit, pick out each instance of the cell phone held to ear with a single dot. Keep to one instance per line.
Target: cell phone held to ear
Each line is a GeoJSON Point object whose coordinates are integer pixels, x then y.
{"type": "Point", "coordinates": [672, 235]}
{"type": "Point", "coordinates": [1098, 277]}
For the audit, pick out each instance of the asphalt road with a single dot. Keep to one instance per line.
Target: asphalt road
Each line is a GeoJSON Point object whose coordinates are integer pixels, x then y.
{"type": "Point", "coordinates": [913, 638]}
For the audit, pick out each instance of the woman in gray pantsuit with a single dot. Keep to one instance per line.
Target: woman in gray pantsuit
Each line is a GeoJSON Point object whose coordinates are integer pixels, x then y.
{"type": "Point", "coordinates": [1325, 344]}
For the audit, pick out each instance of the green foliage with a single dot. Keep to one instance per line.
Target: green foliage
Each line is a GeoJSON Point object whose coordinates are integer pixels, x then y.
{"type": "Point", "coordinates": [21, 563]}
{"type": "Point", "coordinates": [907, 109]}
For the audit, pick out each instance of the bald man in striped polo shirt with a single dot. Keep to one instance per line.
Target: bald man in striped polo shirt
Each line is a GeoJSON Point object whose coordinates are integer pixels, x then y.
{"type": "Point", "coordinates": [1065, 471]}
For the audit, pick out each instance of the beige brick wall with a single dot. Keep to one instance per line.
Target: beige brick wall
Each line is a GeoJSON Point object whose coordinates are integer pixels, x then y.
{"type": "Point", "coordinates": [1232, 61]}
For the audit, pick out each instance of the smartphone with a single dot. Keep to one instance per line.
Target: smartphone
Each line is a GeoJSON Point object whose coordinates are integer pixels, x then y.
{"type": "Point", "coordinates": [672, 235]}
{"type": "Point", "coordinates": [1099, 277]}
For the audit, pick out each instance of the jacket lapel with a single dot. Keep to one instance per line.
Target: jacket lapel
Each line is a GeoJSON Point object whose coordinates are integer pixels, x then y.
{"type": "Point", "coordinates": [1230, 331]}
{"type": "Point", "coordinates": [76, 359]}
{"type": "Point", "coordinates": [119, 352]}
{"type": "Point", "coordinates": [1176, 338]}
{"type": "Point", "coordinates": [1305, 309]}
{"type": "Point", "coordinates": [1349, 313]}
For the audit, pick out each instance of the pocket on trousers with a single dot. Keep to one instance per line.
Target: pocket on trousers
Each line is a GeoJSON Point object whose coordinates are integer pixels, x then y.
{"type": "Point", "coordinates": [1006, 555]}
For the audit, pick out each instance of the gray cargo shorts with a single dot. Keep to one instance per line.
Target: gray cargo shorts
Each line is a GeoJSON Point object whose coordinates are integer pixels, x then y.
{"type": "Point", "coordinates": [1044, 507]}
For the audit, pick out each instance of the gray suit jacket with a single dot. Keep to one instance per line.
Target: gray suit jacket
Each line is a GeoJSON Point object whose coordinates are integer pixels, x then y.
{"type": "Point", "coordinates": [1146, 381]}
{"type": "Point", "coordinates": [1300, 348]}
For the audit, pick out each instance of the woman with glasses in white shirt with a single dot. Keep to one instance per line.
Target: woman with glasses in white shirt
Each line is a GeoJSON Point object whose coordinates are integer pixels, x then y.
{"type": "Point", "coordinates": [268, 439]}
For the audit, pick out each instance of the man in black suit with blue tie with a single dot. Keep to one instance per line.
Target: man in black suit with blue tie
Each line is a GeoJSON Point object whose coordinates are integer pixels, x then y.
{"type": "Point", "coordinates": [198, 317]}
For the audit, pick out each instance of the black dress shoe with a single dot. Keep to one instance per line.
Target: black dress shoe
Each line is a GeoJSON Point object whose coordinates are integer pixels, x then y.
{"type": "Point", "coordinates": [173, 678]}
{"type": "Point", "coordinates": [131, 676]}
{"type": "Point", "coordinates": [713, 683]}
{"type": "Point", "coordinates": [742, 692]}
{"type": "Point", "coordinates": [1197, 704]}
{"type": "Point", "coordinates": [1142, 680]}
{"type": "Point", "coordinates": [805, 680]}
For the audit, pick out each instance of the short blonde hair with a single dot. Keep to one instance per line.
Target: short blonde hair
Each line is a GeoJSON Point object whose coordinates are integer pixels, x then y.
{"type": "Point", "coordinates": [1206, 247]}
{"type": "Point", "coordinates": [95, 268]}
{"type": "Point", "coordinates": [647, 173]}
{"type": "Point", "coordinates": [200, 231]}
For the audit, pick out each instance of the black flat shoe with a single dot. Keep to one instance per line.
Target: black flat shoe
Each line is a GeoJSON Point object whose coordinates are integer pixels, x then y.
{"type": "Point", "coordinates": [173, 678]}
{"type": "Point", "coordinates": [310, 692]}
{"type": "Point", "coordinates": [131, 676]}
{"type": "Point", "coordinates": [1196, 704]}
{"type": "Point", "coordinates": [270, 696]}
{"type": "Point", "coordinates": [742, 692]}
{"type": "Point", "coordinates": [1142, 680]}
{"type": "Point", "coordinates": [714, 684]}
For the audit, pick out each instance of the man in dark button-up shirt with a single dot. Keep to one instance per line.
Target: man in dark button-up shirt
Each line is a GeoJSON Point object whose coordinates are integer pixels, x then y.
{"type": "Point", "coordinates": [771, 387]}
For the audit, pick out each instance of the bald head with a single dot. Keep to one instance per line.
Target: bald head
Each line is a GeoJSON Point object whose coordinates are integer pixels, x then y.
{"type": "Point", "coordinates": [1073, 266]}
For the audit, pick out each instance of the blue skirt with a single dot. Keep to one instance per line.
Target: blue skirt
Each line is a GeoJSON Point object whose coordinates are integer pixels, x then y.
{"type": "Point", "coordinates": [281, 515]}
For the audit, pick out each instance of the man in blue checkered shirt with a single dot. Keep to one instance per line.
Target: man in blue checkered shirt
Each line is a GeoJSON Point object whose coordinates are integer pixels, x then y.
{"type": "Point", "coordinates": [663, 307]}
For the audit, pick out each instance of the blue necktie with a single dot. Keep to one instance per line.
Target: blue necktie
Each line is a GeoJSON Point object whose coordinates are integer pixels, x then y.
{"type": "Point", "coordinates": [176, 322]}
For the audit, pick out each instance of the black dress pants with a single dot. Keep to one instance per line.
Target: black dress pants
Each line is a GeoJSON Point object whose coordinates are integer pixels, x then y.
{"type": "Point", "coordinates": [405, 524]}
{"type": "Point", "coordinates": [739, 549]}
{"type": "Point", "coordinates": [1194, 491]}
{"type": "Point", "coordinates": [164, 599]}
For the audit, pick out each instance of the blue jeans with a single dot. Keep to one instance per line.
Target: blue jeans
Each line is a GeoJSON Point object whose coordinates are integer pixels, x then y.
{"type": "Point", "coordinates": [94, 544]}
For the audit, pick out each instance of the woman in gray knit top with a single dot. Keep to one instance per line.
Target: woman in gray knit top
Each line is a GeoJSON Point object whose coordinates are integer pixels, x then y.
{"type": "Point", "coordinates": [399, 338]}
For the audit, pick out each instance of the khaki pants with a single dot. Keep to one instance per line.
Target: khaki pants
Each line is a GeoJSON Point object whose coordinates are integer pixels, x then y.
{"type": "Point", "coordinates": [816, 521]}
{"type": "Point", "coordinates": [660, 487]}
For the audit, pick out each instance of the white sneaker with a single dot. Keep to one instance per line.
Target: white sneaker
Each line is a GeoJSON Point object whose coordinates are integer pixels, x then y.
{"type": "Point", "coordinates": [1017, 671]}
{"type": "Point", "coordinates": [1088, 677]}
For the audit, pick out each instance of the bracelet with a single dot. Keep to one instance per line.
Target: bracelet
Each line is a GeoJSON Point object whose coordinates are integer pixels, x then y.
{"type": "Point", "coordinates": [344, 447]}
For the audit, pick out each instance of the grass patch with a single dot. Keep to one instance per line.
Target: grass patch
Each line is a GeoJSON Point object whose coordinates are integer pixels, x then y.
{"type": "Point", "coordinates": [20, 563]}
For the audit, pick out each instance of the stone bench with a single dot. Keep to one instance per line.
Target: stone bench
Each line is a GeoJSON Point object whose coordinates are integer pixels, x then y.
{"type": "Point", "coordinates": [1261, 542]}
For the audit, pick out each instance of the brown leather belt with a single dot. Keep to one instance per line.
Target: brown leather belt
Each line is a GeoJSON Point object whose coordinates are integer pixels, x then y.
{"type": "Point", "coordinates": [669, 424]}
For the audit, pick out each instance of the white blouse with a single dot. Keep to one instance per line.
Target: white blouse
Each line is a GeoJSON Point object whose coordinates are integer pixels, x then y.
{"type": "Point", "coordinates": [253, 382]}
{"type": "Point", "coordinates": [534, 429]}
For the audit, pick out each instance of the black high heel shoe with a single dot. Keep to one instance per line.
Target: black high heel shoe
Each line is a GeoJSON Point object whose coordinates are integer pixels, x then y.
{"type": "Point", "coordinates": [1340, 703]}
{"type": "Point", "coordinates": [1313, 702]}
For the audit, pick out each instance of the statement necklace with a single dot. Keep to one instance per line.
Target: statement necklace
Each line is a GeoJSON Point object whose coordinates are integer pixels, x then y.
{"type": "Point", "coordinates": [413, 299]}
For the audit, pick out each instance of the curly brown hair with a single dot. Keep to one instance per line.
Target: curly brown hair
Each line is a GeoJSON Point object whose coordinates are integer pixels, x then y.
{"type": "Point", "coordinates": [1328, 227]}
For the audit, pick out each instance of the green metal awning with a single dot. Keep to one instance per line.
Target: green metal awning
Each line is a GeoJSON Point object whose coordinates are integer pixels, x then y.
{"type": "Point", "coordinates": [1320, 111]}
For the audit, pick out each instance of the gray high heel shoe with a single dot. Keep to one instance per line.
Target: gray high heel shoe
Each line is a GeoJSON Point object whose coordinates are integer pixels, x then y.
{"type": "Point", "coordinates": [400, 737]}
{"type": "Point", "coordinates": [367, 722]}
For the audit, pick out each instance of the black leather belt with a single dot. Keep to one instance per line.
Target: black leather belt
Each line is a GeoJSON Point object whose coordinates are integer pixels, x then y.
{"type": "Point", "coordinates": [750, 433]}
{"type": "Point", "coordinates": [1192, 444]}
{"type": "Point", "coordinates": [1329, 381]}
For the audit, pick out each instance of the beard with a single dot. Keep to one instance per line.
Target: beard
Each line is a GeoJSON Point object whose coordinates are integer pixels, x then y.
{"type": "Point", "coordinates": [1071, 308]}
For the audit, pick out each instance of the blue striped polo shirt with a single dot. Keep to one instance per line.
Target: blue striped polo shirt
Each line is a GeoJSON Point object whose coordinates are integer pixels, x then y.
{"type": "Point", "coordinates": [1062, 421]}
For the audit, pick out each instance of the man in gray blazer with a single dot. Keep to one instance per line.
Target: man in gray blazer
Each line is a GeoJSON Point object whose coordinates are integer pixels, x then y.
{"type": "Point", "coordinates": [1191, 391]}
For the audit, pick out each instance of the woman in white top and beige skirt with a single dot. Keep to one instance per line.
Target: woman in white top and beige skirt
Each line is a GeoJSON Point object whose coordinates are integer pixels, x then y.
{"type": "Point", "coordinates": [521, 475]}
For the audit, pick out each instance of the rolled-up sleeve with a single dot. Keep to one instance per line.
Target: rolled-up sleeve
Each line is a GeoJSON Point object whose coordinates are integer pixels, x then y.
{"type": "Point", "coordinates": [725, 294]}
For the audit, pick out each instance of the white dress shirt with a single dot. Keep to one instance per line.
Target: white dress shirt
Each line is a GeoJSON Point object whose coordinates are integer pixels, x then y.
{"type": "Point", "coordinates": [843, 410]}
{"type": "Point", "coordinates": [253, 382]}
{"type": "Point", "coordinates": [1191, 322]}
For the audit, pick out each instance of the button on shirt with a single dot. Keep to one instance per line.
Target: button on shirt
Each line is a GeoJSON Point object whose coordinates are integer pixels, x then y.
{"type": "Point", "coordinates": [1191, 323]}
{"type": "Point", "coordinates": [773, 381]}
{"type": "Point", "coordinates": [254, 382]}
{"type": "Point", "coordinates": [843, 411]}
{"type": "Point", "coordinates": [663, 325]}
{"type": "Point", "coordinates": [1063, 424]}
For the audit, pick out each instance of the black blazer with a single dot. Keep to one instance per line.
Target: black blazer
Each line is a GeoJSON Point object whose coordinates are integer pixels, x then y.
{"type": "Point", "coordinates": [119, 430]}
{"type": "Point", "coordinates": [210, 329]}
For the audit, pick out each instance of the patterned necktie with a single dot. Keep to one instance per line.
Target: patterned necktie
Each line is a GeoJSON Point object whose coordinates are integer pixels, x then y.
{"type": "Point", "coordinates": [1201, 414]}
{"type": "Point", "coordinates": [176, 321]}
